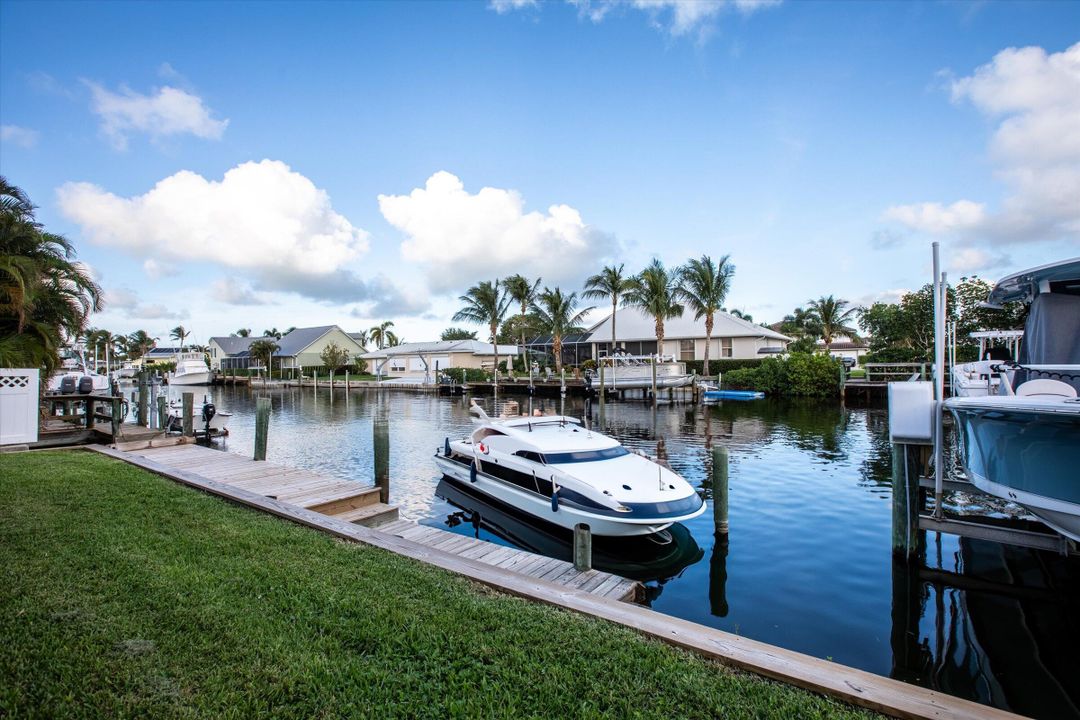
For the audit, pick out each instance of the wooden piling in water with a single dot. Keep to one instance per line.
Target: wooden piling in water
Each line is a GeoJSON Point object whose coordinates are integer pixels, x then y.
{"type": "Point", "coordinates": [162, 412]}
{"type": "Point", "coordinates": [381, 433]}
{"type": "Point", "coordinates": [907, 499]}
{"type": "Point", "coordinates": [582, 547]}
{"type": "Point", "coordinates": [144, 418]}
{"type": "Point", "coordinates": [262, 427]}
{"type": "Point", "coordinates": [189, 414]}
{"type": "Point", "coordinates": [720, 489]}
{"type": "Point", "coordinates": [602, 390]}
{"type": "Point", "coordinates": [117, 409]}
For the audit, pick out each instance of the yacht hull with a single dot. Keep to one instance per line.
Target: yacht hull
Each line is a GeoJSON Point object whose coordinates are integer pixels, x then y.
{"type": "Point", "coordinates": [1026, 455]}
{"type": "Point", "coordinates": [541, 508]}
{"type": "Point", "coordinates": [192, 378]}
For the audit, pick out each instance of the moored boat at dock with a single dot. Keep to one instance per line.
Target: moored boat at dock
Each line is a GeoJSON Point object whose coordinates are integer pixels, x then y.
{"type": "Point", "coordinates": [559, 471]}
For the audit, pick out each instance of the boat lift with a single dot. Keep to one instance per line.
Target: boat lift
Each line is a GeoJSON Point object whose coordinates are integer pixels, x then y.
{"type": "Point", "coordinates": [916, 420]}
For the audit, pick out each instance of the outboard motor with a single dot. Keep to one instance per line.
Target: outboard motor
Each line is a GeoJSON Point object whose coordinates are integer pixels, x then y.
{"type": "Point", "coordinates": [86, 385]}
{"type": "Point", "coordinates": [208, 413]}
{"type": "Point", "coordinates": [68, 385]}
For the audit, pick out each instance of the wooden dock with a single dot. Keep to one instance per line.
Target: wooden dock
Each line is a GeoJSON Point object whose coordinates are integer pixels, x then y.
{"type": "Point", "coordinates": [345, 500]}
{"type": "Point", "coordinates": [598, 583]}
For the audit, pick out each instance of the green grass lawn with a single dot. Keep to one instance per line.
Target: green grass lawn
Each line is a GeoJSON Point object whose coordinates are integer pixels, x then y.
{"type": "Point", "coordinates": [123, 594]}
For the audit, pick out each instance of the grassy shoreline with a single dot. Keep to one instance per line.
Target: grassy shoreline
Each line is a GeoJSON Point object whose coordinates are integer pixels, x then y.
{"type": "Point", "coordinates": [123, 594]}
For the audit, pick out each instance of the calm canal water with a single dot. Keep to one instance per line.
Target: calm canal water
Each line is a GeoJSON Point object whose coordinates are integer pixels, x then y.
{"type": "Point", "coordinates": [808, 564]}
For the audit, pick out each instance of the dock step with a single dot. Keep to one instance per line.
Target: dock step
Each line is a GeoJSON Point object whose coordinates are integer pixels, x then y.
{"type": "Point", "coordinates": [368, 515]}
{"type": "Point", "coordinates": [339, 498]}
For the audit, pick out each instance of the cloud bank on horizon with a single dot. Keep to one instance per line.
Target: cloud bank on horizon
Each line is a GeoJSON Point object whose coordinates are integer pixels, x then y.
{"type": "Point", "coordinates": [1034, 97]}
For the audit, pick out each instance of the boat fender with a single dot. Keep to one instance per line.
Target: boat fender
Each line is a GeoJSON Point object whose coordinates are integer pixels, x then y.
{"type": "Point", "coordinates": [555, 501]}
{"type": "Point", "coordinates": [484, 448]}
{"type": "Point", "coordinates": [472, 471]}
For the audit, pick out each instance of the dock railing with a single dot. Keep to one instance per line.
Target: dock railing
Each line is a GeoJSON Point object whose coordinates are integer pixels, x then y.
{"type": "Point", "coordinates": [893, 372]}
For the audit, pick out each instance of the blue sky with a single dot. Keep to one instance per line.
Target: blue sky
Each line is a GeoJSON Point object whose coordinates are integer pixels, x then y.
{"type": "Point", "coordinates": [273, 164]}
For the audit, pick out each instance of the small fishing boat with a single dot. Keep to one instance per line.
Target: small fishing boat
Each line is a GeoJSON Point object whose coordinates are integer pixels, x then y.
{"type": "Point", "coordinates": [75, 376]}
{"type": "Point", "coordinates": [557, 470]}
{"type": "Point", "coordinates": [219, 421]}
{"type": "Point", "coordinates": [1024, 443]}
{"type": "Point", "coordinates": [191, 369]}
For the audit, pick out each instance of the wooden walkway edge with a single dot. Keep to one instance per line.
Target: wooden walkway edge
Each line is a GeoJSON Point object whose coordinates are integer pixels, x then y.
{"type": "Point", "coordinates": [845, 683]}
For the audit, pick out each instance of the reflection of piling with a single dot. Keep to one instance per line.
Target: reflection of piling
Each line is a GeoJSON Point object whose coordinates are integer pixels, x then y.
{"type": "Point", "coordinates": [262, 426]}
{"type": "Point", "coordinates": [189, 414]}
{"type": "Point", "coordinates": [582, 547]}
{"type": "Point", "coordinates": [718, 604]}
{"type": "Point", "coordinates": [720, 489]}
{"type": "Point", "coordinates": [381, 432]}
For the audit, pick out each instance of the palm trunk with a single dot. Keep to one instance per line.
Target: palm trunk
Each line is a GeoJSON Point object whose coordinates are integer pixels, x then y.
{"type": "Point", "coordinates": [556, 345]}
{"type": "Point", "coordinates": [708, 340]}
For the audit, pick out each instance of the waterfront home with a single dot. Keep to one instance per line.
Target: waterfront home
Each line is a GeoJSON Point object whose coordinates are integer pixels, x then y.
{"type": "Point", "coordinates": [684, 338]}
{"type": "Point", "coordinates": [843, 346]}
{"type": "Point", "coordinates": [303, 347]}
{"type": "Point", "coordinates": [231, 352]}
{"type": "Point", "coordinates": [423, 360]}
{"type": "Point", "coordinates": [159, 356]}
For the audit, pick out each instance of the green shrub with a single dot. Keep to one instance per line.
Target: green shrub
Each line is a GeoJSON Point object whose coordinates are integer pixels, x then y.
{"type": "Point", "coordinates": [471, 374]}
{"type": "Point", "coordinates": [798, 374]}
{"type": "Point", "coordinates": [589, 364]}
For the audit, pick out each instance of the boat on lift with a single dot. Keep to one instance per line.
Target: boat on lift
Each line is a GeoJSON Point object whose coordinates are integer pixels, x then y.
{"type": "Point", "coordinates": [75, 376]}
{"type": "Point", "coordinates": [1023, 444]}
{"type": "Point", "coordinates": [191, 369]}
{"type": "Point", "coordinates": [628, 372]}
{"type": "Point", "coordinates": [557, 470]}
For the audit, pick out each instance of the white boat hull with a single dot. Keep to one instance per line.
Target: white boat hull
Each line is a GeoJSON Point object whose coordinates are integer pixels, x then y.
{"type": "Point", "coordinates": [541, 508]}
{"type": "Point", "coordinates": [192, 378]}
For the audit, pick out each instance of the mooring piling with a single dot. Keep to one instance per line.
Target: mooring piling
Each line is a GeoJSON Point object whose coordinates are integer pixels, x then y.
{"type": "Point", "coordinates": [262, 427]}
{"type": "Point", "coordinates": [144, 418]}
{"type": "Point", "coordinates": [189, 414]}
{"type": "Point", "coordinates": [381, 433]}
{"type": "Point", "coordinates": [162, 412]}
{"type": "Point", "coordinates": [117, 409]}
{"type": "Point", "coordinates": [720, 489]}
{"type": "Point", "coordinates": [582, 547]}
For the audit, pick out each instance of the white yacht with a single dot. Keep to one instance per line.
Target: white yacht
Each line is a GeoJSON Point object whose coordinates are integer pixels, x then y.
{"type": "Point", "coordinates": [557, 470]}
{"type": "Point", "coordinates": [75, 376]}
{"type": "Point", "coordinates": [1024, 443]}
{"type": "Point", "coordinates": [624, 372]}
{"type": "Point", "coordinates": [191, 369]}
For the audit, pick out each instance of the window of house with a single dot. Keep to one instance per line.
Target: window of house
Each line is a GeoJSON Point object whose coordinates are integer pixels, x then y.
{"type": "Point", "coordinates": [725, 348]}
{"type": "Point", "coordinates": [686, 349]}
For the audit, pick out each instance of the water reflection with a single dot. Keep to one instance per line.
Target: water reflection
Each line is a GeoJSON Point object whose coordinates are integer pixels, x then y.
{"type": "Point", "coordinates": [807, 564]}
{"type": "Point", "coordinates": [650, 559]}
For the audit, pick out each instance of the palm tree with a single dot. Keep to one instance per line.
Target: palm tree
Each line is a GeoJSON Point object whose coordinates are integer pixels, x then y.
{"type": "Point", "coordinates": [381, 334]}
{"type": "Point", "coordinates": [655, 292]}
{"type": "Point", "coordinates": [609, 283]}
{"type": "Point", "coordinates": [263, 350]}
{"type": "Point", "coordinates": [45, 296]}
{"type": "Point", "coordinates": [558, 315]}
{"type": "Point", "coordinates": [179, 333]}
{"type": "Point", "coordinates": [830, 315]}
{"type": "Point", "coordinates": [273, 332]}
{"type": "Point", "coordinates": [139, 343]}
{"type": "Point", "coordinates": [243, 332]}
{"type": "Point", "coordinates": [523, 293]}
{"type": "Point", "coordinates": [485, 304]}
{"type": "Point", "coordinates": [361, 338]}
{"type": "Point", "coordinates": [703, 285]}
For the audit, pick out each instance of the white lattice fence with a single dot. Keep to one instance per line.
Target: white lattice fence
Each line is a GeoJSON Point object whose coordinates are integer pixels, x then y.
{"type": "Point", "coordinates": [18, 406]}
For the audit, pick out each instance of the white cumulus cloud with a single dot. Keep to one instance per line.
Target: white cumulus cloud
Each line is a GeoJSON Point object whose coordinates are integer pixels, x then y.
{"type": "Point", "coordinates": [675, 17]}
{"type": "Point", "coordinates": [168, 111]}
{"type": "Point", "coordinates": [504, 6]}
{"type": "Point", "coordinates": [23, 137]}
{"type": "Point", "coordinates": [1034, 98]}
{"type": "Point", "coordinates": [262, 218]}
{"type": "Point", "coordinates": [970, 260]}
{"type": "Point", "coordinates": [125, 302]}
{"type": "Point", "coordinates": [461, 237]}
{"type": "Point", "coordinates": [232, 291]}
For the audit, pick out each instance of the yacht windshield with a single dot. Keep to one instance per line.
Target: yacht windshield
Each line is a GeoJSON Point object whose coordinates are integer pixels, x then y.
{"type": "Point", "coordinates": [585, 455]}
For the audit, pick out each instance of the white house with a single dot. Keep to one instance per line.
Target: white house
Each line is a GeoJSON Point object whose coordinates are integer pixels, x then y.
{"type": "Point", "coordinates": [684, 337]}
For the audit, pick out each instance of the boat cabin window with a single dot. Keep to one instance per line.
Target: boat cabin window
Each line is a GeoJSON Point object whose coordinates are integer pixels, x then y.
{"type": "Point", "coordinates": [585, 455]}
{"type": "Point", "coordinates": [530, 455]}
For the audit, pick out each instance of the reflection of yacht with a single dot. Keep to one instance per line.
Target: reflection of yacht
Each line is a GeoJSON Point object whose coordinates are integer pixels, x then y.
{"type": "Point", "coordinates": [977, 379]}
{"type": "Point", "coordinates": [191, 369]}
{"type": "Point", "coordinates": [622, 371]}
{"type": "Point", "coordinates": [1024, 444]}
{"type": "Point", "coordinates": [557, 470]}
{"type": "Point", "coordinates": [648, 557]}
